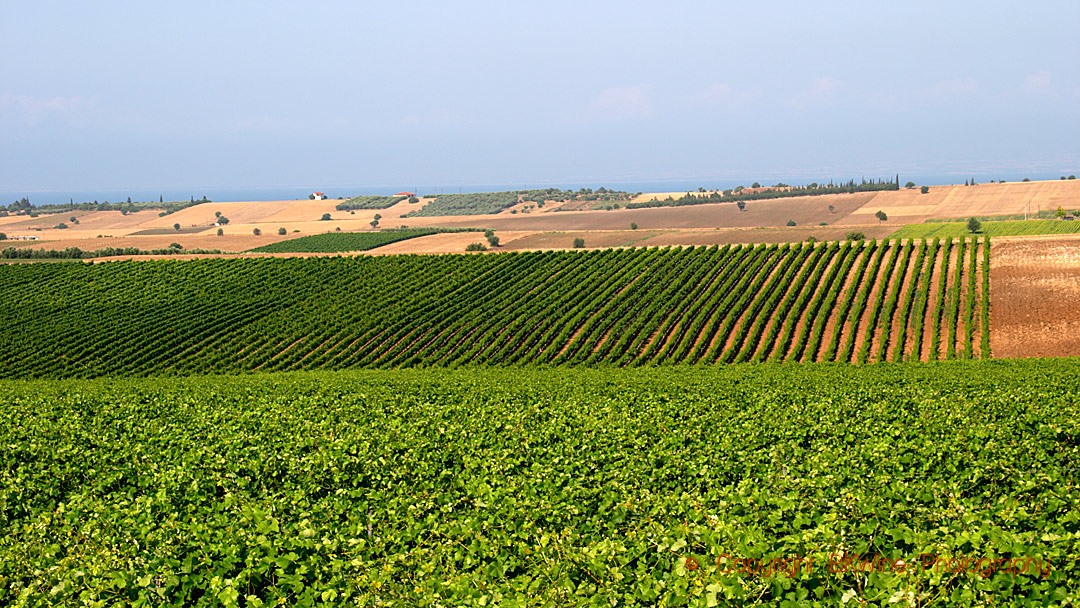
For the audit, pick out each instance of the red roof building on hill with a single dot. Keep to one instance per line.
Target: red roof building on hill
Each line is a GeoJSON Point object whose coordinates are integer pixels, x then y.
{"type": "Point", "coordinates": [405, 194]}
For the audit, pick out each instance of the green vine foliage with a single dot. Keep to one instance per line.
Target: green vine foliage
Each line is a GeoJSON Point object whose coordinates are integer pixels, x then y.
{"type": "Point", "coordinates": [533, 487]}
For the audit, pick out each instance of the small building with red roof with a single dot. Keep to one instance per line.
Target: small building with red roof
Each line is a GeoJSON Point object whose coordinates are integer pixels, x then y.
{"type": "Point", "coordinates": [405, 194]}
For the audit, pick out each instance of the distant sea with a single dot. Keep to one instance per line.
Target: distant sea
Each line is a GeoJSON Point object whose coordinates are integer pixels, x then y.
{"type": "Point", "coordinates": [45, 197]}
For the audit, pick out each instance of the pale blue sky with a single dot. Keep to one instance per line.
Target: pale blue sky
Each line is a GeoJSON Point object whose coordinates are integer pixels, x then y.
{"type": "Point", "coordinates": [115, 95]}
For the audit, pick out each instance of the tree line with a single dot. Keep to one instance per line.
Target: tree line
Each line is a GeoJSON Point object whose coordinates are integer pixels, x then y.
{"type": "Point", "coordinates": [740, 194]}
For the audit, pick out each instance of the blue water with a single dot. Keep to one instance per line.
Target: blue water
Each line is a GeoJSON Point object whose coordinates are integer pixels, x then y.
{"type": "Point", "coordinates": [271, 194]}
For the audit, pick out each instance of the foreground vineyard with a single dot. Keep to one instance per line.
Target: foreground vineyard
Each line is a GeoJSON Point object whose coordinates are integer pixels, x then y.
{"type": "Point", "coordinates": [547, 487]}
{"type": "Point", "coordinates": [860, 302]}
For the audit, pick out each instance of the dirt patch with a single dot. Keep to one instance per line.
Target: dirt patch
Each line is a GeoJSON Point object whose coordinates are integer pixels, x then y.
{"type": "Point", "coordinates": [565, 240]}
{"type": "Point", "coordinates": [168, 231]}
{"type": "Point", "coordinates": [1035, 298]}
{"type": "Point", "coordinates": [449, 242]}
{"type": "Point", "coordinates": [228, 242]}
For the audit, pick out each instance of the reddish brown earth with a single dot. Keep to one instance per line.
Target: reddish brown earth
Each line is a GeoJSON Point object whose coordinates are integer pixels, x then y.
{"type": "Point", "coordinates": [1035, 297]}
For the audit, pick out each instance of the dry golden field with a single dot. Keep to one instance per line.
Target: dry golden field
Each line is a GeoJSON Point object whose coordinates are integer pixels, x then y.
{"type": "Point", "coordinates": [762, 221]}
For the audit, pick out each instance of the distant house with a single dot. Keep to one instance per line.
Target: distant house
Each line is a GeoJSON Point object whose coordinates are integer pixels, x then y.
{"type": "Point", "coordinates": [410, 194]}
{"type": "Point", "coordinates": [318, 196]}
{"type": "Point", "coordinates": [1068, 217]}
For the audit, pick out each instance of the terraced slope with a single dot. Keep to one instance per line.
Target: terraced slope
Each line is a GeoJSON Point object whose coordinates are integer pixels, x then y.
{"type": "Point", "coordinates": [861, 302]}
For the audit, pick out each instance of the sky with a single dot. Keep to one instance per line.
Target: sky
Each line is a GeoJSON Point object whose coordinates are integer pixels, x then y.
{"type": "Point", "coordinates": [138, 95]}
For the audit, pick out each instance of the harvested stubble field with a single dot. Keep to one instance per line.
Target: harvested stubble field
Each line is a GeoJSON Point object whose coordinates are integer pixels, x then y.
{"type": "Point", "coordinates": [231, 241]}
{"type": "Point", "coordinates": [911, 206]}
{"type": "Point", "coordinates": [850, 212]}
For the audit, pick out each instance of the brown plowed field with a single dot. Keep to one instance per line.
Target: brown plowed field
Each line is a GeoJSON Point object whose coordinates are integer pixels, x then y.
{"type": "Point", "coordinates": [1035, 297]}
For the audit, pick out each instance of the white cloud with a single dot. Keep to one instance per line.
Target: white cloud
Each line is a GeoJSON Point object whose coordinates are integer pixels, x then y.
{"type": "Point", "coordinates": [31, 110]}
{"type": "Point", "coordinates": [624, 102]}
{"type": "Point", "coordinates": [1038, 83]}
{"type": "Point", "coordinates": [723, 94]}
{"type": "Point", "coordinates": [949, 89]}
{"type": "Point", "coordinates": [822, 91]}
{"type": "Point", "coordinates": [824, 86]}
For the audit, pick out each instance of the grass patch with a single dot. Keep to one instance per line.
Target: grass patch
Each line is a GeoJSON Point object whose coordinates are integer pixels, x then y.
{"type": "Point", "coordinates": [1007, 228]}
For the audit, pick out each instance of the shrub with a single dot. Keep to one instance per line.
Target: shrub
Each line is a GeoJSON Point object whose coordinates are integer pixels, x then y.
{"type": "Point", "coordinates": [475, 247]}
{"type": "Point", "coordinates": [881, 216]}
{"type": "Point", "coordinates": [176, 227]}
{"type": "Point", "coordinates": [909, 185]}
{"type": "Point", "coordinates": [282, 231]}
{"type": "Point", "coordinates": [855, 236]}
{"type": "Point", "coordinates": [61, 226]}
{"type": "Point", "coordinates": [175, 246]}
{"type": "Point", "coordinates": [325, 217]}
{"type": "Point", "coordinates": [493, 240]}
{"type": "Point", "coordinates": [579, 243]}
{"type": "Point", "coordinates": [1026, 179]}
{"type": "Point", "coordinates": [974, 225]}
{"type": "Point", "coordinates": [742, 205]}
{"type": "Point", "coordinates": [924, 189]}
{"type": "Point", "coordinates": [791, 223]}
{"type": "Point", "coordinates": [3, 237]}
{"type": "Point", "coordinates": [220, 232]}
{"type": "Point", "coordinates": [633, 225]}
{"type": "Point", "coordinates": [256, 232]}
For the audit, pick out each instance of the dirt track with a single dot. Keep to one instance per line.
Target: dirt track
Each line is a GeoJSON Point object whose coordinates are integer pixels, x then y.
{"type": "Point", "coordinates": [1035, 297]}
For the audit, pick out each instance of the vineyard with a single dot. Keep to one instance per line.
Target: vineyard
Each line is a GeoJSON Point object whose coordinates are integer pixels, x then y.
{"type": "Point", "coordinates": [948, 484]}
{"type": "Point", "coordinates": [947, 230]}
{"type": "Point", "coordinates": [342, 241]}
{"type": "Point", "coordinates": [482, 203]}
{"type": "Point", "coordinates": [851, 301]}
{"type": "Point", "coordinates": [369, 202]}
